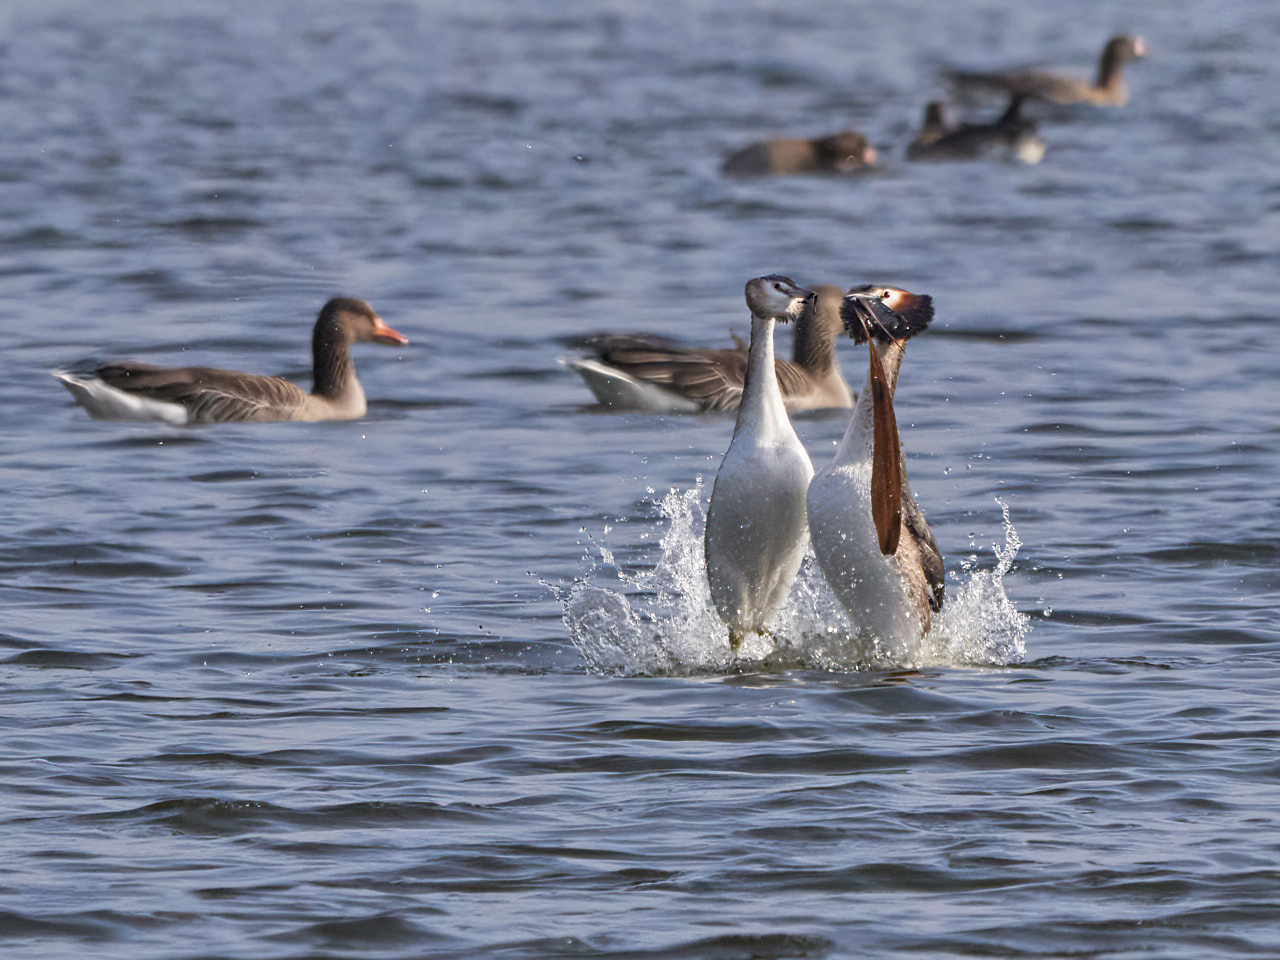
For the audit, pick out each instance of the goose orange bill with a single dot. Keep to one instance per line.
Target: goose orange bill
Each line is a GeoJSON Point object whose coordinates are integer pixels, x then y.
{"type": "Point", "coordinates": [384, 334]}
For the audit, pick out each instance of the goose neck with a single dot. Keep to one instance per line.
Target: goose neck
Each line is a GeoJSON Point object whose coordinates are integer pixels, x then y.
{"type": "Point", "coordinates": [332, 368]}
{"type": "Point", "coordinates": [814, 346]}
{"type": "Point", "coordinates": [1109, 69]}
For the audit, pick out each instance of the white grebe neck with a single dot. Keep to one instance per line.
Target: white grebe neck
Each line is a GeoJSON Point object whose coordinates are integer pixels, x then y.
{"type": "Point", "coordinates": [762, 412]}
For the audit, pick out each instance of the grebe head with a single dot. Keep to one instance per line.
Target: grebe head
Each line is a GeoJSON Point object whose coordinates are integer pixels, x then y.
{"type": "Point", "coordinates": [776, 297]}
{"type": "Point", "coordinates": [885, 313]}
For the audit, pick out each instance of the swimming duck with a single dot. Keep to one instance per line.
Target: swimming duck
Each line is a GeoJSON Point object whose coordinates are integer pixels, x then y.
{"type": "Point", "coordinates": [845, 152]}
{"type": "Point", "coordinates": [653, 374]}
{"type": "Point", "coordinates": [1108, 91]}
{"type": "Point", "coordinates": [869, 537]}
{"type": "Point", "coordinates": [188, 395]}
{"type": "Point", "coordinates": [755, 537]}
{"type": "Point", "coordinates": [941, 139]}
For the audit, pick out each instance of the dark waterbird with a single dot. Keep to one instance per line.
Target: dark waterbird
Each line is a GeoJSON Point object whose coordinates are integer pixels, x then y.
{"type": "Point", "coordinates": [839, 153]}
{"type": "Point", "coordinates": [1012, 134]}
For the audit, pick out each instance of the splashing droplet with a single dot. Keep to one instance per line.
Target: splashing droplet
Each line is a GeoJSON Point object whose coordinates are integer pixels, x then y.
{"type": "Point", "coordinates": [662, 622]}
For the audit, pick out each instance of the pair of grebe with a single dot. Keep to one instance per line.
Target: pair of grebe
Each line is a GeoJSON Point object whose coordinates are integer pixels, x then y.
{"type": "Point", "coordinates": [869, 537]}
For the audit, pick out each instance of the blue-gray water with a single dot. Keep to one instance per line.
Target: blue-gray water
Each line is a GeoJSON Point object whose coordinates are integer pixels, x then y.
{"type": "Point", "coordinates": [303, 691]}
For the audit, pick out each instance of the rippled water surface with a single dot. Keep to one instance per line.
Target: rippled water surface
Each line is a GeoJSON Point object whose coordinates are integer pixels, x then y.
{"type": "Point", "coordinates": [442, 682]}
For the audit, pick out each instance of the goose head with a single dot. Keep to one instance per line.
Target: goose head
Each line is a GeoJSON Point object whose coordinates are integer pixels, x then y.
{"type": "Point", "coordinates": [1123, 48]}
{"type": "Point", "coordinates": [351, 320]}
{"type": "Point", "coordinates": [1118, 51]}
{"type": "Point", "coordinates": [885, 313]}
{"type": "Point", "coordinates": [776, 297]}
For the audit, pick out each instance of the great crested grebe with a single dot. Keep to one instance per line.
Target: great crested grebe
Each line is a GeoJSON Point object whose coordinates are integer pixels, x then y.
{"type": "Point", "coordinates": [870, 539]}
{"type": "Point", "coordinates": [755, 537]}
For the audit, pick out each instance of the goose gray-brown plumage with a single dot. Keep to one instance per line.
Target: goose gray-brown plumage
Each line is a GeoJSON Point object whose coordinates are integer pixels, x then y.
{"type": "Point", "coordinates": [846, 152]}
{"type": "Point", "coordinates": [188, 395]}
{"type": "Point", "coordinates": [941, 139]}
{"type": "Point", "coordinates": [1109, 90]}
{"type": "Point", "coordinates": [755, 536]}
{"type": "Point", "coordinates": [653, 374]}
{"type": "Point", "coordinates": [869, 536]}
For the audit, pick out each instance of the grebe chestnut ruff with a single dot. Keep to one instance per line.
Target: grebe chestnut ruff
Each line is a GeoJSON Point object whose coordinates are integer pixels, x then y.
{"type": "Point", "coordinates": [189, 395]}
{"type": "Point", "coordinates": [755, 537]}
{"type": "Point", "coordinates": [651, 374]}
{"type": "Point", "coordinates": [870, 539]}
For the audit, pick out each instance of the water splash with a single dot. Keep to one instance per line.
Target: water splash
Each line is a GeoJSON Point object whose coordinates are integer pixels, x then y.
{"type": "Point", "coordinates": [662, 621]}
{"type": "Point", "coordinates": [979, 623]}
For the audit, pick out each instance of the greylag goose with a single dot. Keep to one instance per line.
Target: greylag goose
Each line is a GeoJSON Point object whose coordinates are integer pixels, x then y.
{"type": "Point", "coordinates": [846, 152]}
{"type": "Point", "coordinates": [869, 537]}
{"type": "Point", "coordinates": [941, 139]}
{"type": "Point", "coordinates": [1108, 91]}
{"type": "Point", "coordinates": [187, 395]}
{"type": "Point", "coordinates": [755, 536]}
{"type": "Point", "coordinates": [652, 374]}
